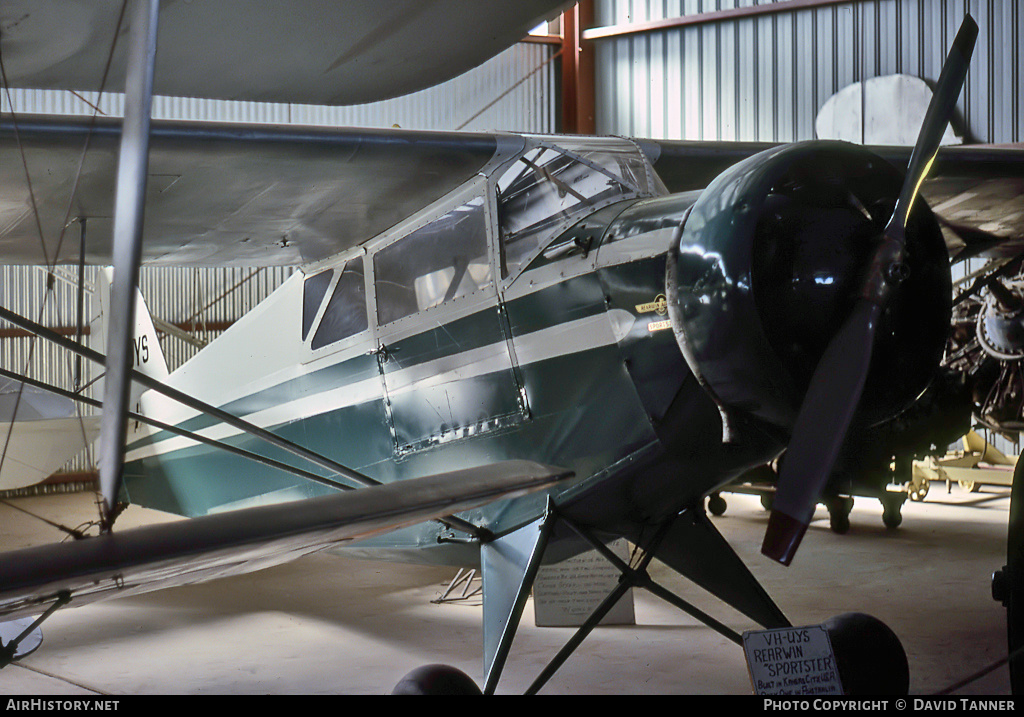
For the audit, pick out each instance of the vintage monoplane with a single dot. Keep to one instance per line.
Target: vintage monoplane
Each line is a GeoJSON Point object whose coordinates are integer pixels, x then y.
{"type": "Point", "coordinates": [615, 327]}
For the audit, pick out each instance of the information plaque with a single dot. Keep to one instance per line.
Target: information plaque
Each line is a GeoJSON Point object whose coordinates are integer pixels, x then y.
{"type": "Point", "coordinates": [566, 593]}
{"type": "Point", "coordinates": [792, 661]}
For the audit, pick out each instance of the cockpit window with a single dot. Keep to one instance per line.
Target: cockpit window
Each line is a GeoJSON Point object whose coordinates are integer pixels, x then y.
{"type": "Point", "coordinates": [345, 314]}
{"type": "Point", "coordinates": [549, 188]}
{"type": "Point", "coordinates": [442, 261]}
{"type": "Point", "coordinates": [313, 291]}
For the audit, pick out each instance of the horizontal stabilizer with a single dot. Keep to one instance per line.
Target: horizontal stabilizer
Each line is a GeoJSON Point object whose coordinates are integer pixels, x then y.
{"type": "Point", "coordinates": [37, 448]}
{"type": "Point", "coordinates": [200, 549]}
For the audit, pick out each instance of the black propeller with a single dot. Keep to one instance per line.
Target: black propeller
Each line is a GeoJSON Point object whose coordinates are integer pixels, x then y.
{"type": "Point", "coordinates": [838, 381]}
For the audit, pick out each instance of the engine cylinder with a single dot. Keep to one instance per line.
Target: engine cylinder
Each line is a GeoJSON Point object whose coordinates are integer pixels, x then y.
{"type": "Point", "coordinates": [772, 259]}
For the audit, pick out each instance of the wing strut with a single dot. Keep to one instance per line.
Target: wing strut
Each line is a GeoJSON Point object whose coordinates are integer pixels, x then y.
{"type": "Point", "coordinates": [130, 197]}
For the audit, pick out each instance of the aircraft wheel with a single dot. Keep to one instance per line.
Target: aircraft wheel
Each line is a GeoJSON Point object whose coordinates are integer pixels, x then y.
{"type": "Point", "coordinates": [917, 490]}
{"type": "Point", "coordinates": [716, 504]}
{"type": "Point", "coordinates": [892, 514]}
{"type": "Point", "coordinates": [892, 517]}
{"type": "Point", "coordinates": [436, 680]}
{"type": "Point", "coordinates": [870, 658]}
{"type": "Point", "coordinates": [839, 514]}
{"type": "Point", "coordinates": [766, 501]}
{"type": "Point", "coordinates": [839, 523]}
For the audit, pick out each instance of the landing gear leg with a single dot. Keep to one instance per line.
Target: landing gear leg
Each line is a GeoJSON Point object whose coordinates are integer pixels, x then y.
{"type": "Point", "coordinates": [839, 508]}
{"type": "Point", "coordinates": [684, 535]}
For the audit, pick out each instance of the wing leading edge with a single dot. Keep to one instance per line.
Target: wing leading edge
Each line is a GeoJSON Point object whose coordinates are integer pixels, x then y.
{"type": "Point", "coordinates": [201, 549]}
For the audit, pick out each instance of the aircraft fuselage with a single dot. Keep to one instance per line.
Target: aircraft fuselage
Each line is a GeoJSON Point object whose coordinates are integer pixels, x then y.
{"type": "Point", "coordinates": [399, 361]}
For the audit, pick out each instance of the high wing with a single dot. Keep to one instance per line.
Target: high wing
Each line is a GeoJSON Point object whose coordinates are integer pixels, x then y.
{"type": "Point", "coordinates": [224, 194]}
{"type": "Point", "coordinates": [199, 549]}
{"type": "Point", "coordinates": [978, 194]}
{"type": "Point", "coordinates": [314, 52]}
{"type": "Point", "coordinates": [263, 195]}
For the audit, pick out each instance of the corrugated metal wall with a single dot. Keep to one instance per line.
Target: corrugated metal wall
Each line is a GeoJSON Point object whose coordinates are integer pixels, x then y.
{"type": "Point", "coordinates": [515, 91]}
{"type": "Point", "coordinates": [764, 78]}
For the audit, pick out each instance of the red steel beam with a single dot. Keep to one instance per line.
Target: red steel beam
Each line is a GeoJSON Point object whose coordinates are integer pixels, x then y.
{"type": "Point", "coordinates": [577, 71]}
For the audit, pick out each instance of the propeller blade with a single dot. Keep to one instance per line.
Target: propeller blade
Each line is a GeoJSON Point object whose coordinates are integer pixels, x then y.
{"type": "Point", "coordinates": [940, 109]}
{"type": "Point", "coordinates": [838, 381]}
{"type": "Point", "coordinates": [820, 428]}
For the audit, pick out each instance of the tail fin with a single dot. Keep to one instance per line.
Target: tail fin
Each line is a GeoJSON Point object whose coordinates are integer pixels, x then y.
{"type": "Point", "coordinates": [147, 356]}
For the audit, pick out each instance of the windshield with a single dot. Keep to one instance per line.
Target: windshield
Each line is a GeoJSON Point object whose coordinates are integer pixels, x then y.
{"type": "Point", "coordinates": [549, 188]}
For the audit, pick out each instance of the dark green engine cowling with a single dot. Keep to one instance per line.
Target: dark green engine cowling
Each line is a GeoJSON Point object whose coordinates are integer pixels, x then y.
{"type": "Point", "coordinates": [770, 262]}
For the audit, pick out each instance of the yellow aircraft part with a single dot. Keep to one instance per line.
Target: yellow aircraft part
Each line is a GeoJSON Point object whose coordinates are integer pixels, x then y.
{"type": "Point", "coordinates": [965, 467]}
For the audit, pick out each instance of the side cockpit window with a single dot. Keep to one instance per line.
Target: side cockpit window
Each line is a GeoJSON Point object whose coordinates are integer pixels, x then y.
{"type": "Point", "coordinates": [313, 291]}
{"type": "Point", "coordinates": [345, 313]}
{"type": "Point", "coordinates": [441, 261]}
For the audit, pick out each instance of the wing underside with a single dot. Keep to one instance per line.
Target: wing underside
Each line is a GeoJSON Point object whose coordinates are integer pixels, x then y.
{"type": "Point", "coordinates": [200, 549]}
{"type": "Point", "coordinates": [322, 52]}
{"type": "Point", "coordinates": [221, 194]}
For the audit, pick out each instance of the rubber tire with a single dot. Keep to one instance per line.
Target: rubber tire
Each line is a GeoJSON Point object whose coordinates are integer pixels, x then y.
{"type": "Point", "coordinates": [436, 680]}
{"type": "Point", "coordinates": [716, 504]}
{"type": "Point", "coordinates": [869, 655]}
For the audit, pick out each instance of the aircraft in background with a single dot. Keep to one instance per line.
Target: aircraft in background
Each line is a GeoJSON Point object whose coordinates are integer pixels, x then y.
{"type": "Point", "coordinates": [482, 315]}
{"type": "Point", "coordinates": [39, 433]}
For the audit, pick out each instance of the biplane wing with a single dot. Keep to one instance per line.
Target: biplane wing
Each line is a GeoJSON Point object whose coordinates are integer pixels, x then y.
{"type": "Point", "coordinates": [321, 52]}
{"type": "Point", "coordinates": [199, 549]}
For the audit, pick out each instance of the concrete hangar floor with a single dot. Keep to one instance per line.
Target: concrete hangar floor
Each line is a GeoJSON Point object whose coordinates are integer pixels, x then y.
{"type": "Point", "coordinates": [327, 624]}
